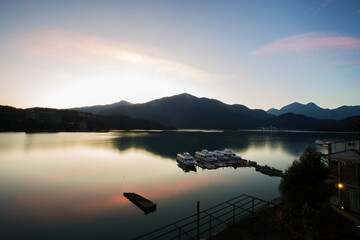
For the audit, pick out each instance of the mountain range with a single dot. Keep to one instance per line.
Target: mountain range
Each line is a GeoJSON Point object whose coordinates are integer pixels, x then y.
{"type": "Point", "coordinates": [187, 111]}
{"type": "Point", "coordinates": [46, 119]}
{"type": "Point", "coordinates": [313, 110]}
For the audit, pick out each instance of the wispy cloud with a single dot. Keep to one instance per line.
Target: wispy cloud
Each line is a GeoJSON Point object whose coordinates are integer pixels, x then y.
{"type": "Point", "coordinates": [357, 12]}
{"type": "Point", "coordinates": [311, 42]}
{"type": "Point", "coordinates": [87, 50]}
{"type": "Point", "coordinates": [318, 7]}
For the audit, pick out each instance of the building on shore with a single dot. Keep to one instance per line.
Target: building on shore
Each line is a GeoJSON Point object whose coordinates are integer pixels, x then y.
{"type": "Point", "coordinates": [344, 160]}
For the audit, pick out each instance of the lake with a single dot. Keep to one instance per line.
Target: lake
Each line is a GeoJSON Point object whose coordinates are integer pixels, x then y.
{"type": "Point", "coordinates": [71, 185]}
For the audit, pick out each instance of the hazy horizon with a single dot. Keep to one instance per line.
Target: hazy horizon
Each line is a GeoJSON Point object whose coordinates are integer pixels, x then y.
{"type": "Point", "coordinates": [257, 53]}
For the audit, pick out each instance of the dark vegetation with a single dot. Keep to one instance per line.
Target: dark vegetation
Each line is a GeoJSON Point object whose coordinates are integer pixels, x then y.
{"type": "Point", "coordinates": [299, 122]}
{"type": "Point", "coordinates": [303, 183]}
{"type": "Point", "coordinates": [43, 119]}
{"type": "Point", "coordinates": [306, 191]}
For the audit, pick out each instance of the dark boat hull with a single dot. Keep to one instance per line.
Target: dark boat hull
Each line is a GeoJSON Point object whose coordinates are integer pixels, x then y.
{"type": "Point", "coordinates": [144, 204]}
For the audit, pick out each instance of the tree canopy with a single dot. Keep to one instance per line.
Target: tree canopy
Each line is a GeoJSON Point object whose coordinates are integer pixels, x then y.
{"type": "Point", "coordinates": [304, 183]}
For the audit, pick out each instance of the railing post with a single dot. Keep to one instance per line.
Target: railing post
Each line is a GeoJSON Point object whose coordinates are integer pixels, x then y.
{"type": "Point", "coordinates": [234, 214]}
{"type": "Point", "coordinates": [198, 221]}
{"type": "Point", "coordinates": [210, 226]}
{"type": "Point", "coordinates": [179, 233]}
{"type": "Point", "coordinates": [252, 202]}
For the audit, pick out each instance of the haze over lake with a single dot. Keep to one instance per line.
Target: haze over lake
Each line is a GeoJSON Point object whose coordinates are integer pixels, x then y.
{"type": "Point", "coordinates": [70, 185]}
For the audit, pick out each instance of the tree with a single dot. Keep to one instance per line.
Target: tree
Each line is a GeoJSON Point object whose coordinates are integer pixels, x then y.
{"type": "Point", "coordinates": [357, 128]}
{"type": "Point", "coordinates": [304, 183]}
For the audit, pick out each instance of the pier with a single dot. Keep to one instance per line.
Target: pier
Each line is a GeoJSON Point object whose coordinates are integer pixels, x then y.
{"type": "Point", "coordinates": [144, 204]}
{"type": "Point", "coordinates": [204, 164]}
{"type": "Point", "coordinates": [267, 170]}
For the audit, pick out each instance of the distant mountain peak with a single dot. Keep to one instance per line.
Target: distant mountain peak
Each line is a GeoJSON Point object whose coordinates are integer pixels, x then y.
{"type": "Point", "coordinates": [99, 108]}
{"type": "Point", "coordinates": [184, 95]}
{"type": "Point", "coordinates": [311, 104]}
{"type": "Point", "coordinates": [313, 110]}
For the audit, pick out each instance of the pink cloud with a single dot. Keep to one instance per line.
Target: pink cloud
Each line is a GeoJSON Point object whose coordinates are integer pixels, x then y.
{"type": "Point", "coordinates": [357, 12]}
{"type": "Point", "coordinates": [311, 42]}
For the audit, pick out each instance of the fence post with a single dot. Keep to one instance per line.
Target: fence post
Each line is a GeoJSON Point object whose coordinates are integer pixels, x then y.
{"type": "Point", "coordinates": [252, 202]}
{"type": "Point", "coordinates": [198, 220]}
{"type": "Point", "coordinates": [234, 214]}
{"type": "Point", "coordinates": [210, 226]}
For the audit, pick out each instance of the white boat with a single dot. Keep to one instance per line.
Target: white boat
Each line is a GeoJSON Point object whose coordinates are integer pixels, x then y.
{"type": "Point", "coordinates": [185, 158]}
{"type": "Point", "coordinates": [230, 155]}
{"type": "Point", "coordinates": [205, 155]}
{"type": "Point", "coordinates": [219, 155]}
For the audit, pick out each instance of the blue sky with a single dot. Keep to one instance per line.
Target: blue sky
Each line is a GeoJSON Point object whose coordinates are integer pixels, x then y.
{"type": "Point", "coordinates": [261, 54]}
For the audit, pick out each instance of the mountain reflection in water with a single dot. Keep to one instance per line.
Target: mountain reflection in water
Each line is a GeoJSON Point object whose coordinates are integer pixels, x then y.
{"type": "Point", "coordinates": [168, 144]}
{"type": "Point", "coordinates": [70, 185]}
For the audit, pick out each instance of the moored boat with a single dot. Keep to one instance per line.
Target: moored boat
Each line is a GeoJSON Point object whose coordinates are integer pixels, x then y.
{"type": "Point", "coordinates": [230, 155]}
{"type": "Point", "coordinates": [219, 155]}
{"type": "Point", "coordinates": [204, 155]}
{"type": "Point", "coordinates": [185, 158]}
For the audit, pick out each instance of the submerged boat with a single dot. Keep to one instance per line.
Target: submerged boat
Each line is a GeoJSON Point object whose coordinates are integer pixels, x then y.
{"type": "Point", "coordinates": [185, 158]}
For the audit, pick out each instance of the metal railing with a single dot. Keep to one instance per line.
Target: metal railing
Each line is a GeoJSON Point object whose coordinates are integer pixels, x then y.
{"type": "Point", "coordinates": [210, 221]}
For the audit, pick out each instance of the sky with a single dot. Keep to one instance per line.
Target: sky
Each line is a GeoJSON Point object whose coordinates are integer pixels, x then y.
{"type": "Point", "coordinates": [259, 53]}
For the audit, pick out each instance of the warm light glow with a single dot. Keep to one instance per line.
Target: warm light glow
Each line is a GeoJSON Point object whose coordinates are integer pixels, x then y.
{"type": "Point", "coordinates": [340, 185]}
{"type": "Point", "coordinates": [342, 208]}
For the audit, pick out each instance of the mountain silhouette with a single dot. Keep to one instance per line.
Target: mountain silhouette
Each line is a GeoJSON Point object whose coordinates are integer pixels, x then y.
{"type": "Point", "coordinates": [312, 110]}
{"type": "Point", "coordinates": [100, 108]}
{"type": "Point", "coordinates": [187, 111]}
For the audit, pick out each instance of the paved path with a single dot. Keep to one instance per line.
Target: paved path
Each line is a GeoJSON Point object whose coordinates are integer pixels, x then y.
{"type": "Point", "coordinates": [347, 215]}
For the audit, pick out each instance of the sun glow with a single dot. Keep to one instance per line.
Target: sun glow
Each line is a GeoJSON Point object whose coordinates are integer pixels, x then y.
{"type": "Point", "coordinates": [90, 70]}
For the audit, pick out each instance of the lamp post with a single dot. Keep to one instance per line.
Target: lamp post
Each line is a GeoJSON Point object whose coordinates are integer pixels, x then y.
{"type": "Point", "coordinates": [340, 186]}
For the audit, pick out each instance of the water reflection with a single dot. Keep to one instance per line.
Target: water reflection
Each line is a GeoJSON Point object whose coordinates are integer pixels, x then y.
{"type": "Point", "coordinates": [60, 184]}
{"type": "Point", "coordinates": [186, 168]}
{"type": "Point", "coordinates": [168, 144]}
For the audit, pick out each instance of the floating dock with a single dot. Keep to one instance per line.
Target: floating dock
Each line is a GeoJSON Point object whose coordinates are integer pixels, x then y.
{"type": "Point", "coordinates": [269, 170]}
{"type": "Point", "coordinates": [204, 164]}
{"type": "Point", "coordinates": [216, 159]}
{"type": "Point", "coordinates": [144, 204]}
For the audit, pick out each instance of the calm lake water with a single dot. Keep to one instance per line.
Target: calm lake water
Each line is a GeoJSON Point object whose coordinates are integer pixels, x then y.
{"type": "Point", "coordinates": [71, 185]}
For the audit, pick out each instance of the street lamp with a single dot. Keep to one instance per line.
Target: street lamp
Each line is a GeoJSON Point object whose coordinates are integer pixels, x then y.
{"type": "Point", "coordinates": [340, 186]}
